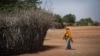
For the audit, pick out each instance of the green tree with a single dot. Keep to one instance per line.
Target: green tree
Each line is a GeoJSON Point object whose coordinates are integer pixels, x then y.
{"type": "Point", "coordinates": [9, 5]}
{"type": "Point", "coordinates": [69, 18]}
{"type": "Point", "coordinates": [57, 18]}
{"type": "Point", "coordinates": [85, 21]}
{"type": "Point", "coordinates": [58, 21]}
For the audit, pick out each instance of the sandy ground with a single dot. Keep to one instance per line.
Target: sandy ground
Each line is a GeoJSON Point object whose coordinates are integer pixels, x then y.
{"type": "Point", "coordinates": [86, 42]}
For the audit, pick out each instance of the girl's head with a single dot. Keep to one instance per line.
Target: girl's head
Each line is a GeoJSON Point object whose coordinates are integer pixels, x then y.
{"type": "Point", "coordinates": [67, 28]}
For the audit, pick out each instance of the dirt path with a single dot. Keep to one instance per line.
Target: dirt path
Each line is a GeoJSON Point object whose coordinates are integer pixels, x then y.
{"type": "Point", "coordinates": [86, 43]}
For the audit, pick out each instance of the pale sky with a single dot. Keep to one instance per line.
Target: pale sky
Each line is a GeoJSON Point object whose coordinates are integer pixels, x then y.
{"type": "Point", "coordinates": [80, 8]}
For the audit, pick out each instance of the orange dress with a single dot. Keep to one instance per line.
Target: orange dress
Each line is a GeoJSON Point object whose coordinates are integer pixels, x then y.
{"type": "Point", "coordinates": [68, 34]}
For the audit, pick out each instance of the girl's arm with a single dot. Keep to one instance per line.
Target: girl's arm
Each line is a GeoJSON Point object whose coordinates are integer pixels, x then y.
{"type": "Point", "coordinates": [70, 36]}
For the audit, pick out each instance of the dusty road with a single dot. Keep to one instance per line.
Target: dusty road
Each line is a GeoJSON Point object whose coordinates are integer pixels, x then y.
{"type": "Point", "coordinates": [86, 42]}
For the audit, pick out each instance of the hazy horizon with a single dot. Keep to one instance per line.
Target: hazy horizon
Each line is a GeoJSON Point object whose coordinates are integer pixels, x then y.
{"type": "Point", "coordinates": [80, 8]}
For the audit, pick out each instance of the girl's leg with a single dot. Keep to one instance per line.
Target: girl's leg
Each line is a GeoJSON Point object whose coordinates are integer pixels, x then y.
{"type": "Point", "coordinates": [68, 46]}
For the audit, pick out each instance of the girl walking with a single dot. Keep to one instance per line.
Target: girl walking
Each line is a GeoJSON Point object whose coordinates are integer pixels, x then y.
{"type": "Point", "coordinates": [68, 38]}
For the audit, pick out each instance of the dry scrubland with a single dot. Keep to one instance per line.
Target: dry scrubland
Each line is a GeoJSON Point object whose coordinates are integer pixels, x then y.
{"type": "Point", "coordinates": [86, 42]}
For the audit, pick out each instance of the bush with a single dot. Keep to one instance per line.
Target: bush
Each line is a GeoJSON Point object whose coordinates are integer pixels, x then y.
{"type": "Point", "coordinates": [23, 31]}
{"type": "Point", "coordinates": [57, 25]}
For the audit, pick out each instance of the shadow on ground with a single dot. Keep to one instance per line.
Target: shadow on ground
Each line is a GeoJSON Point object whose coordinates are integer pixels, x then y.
{"type": "Point", "coordinates": [70, 49]}
{"type": "Point", "coordinates": [48, 47]}
{"type": "Point", "coordinates": [43, 49]}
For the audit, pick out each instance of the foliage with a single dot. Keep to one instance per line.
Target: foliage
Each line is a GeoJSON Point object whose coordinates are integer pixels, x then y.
{"type": "Point", "coordinates": [69, 18]}
{"type": "Point", "coordinates": [58, 21]}
{"type": "Point", "coordinates": [96, 23]}
{"type": "Point", "coordinates": [57, 18]}
{"type": "Point", "coordinates": [10, 5]}
{"type": "Point", "coordinates": [85, 21]}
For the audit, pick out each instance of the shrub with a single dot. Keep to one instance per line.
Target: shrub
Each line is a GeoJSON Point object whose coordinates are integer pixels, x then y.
{"type": "Point", "coordinates": [23, 31]}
